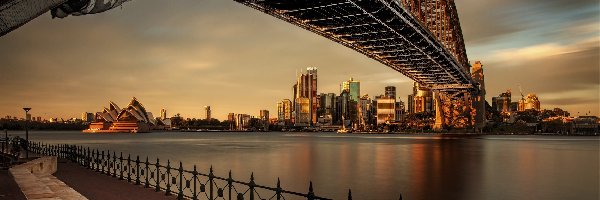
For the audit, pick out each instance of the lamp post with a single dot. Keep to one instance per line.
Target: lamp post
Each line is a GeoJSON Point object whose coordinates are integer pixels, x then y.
{"type": "Point", "coordinates": [26, 132]}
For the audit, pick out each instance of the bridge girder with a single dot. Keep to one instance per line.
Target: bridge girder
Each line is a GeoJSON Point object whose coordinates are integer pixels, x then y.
{"type": "Point", "coordinates": [421, 39]}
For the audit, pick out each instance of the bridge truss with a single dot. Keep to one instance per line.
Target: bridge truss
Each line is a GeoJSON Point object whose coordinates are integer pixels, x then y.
{"type": "Point", "coordinates": [421, 39]}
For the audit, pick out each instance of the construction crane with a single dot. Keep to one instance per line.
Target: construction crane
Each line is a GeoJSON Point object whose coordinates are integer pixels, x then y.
{"type": "Point", "coordinates": [521, 91]}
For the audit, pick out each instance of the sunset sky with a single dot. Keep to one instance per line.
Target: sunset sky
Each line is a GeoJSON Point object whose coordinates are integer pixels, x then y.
{"type": "Point", "coordinates": [186, 54]}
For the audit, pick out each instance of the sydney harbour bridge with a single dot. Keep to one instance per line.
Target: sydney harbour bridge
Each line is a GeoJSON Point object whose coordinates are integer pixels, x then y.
{"type": "Point", "coordinates": [421, 39]}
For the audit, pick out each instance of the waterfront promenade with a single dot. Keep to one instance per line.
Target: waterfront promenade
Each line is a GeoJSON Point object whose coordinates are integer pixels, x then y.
{"type": "Point", "coordinates": [90, 184]}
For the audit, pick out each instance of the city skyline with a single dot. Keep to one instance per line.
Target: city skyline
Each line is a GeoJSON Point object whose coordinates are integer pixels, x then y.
{"type": "Point", "coordinates": [185, 66]}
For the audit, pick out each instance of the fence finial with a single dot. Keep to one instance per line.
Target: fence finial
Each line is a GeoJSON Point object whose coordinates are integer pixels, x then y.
{"type": "Point", "coordinates": [400, 196]}
{"type": "Point", "coordinates": [349, 194]}
{"type": "Point", "coordinates": [278, 183]}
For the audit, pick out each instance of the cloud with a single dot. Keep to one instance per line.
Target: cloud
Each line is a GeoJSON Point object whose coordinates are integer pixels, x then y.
{"type": "Point", "coordinates": [183, 55]}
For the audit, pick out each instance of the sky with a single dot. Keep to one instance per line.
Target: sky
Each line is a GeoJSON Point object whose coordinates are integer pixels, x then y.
{"type": "Point", "coordinates": [186, 54]}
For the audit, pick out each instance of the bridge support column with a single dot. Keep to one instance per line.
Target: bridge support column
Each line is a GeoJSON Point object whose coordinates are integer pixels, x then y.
{"type": "Point", "coordinates": [439, 116]}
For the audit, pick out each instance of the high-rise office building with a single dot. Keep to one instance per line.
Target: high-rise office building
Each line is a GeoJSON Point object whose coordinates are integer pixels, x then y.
{"type": "Point", "coordinates": [400, 110]}
{"type": "Point", "coordinates": [531, 102]}
{"type": "Point", "coordinates": [284, 112]}
{"type": "Point", "coordinates": [306, 87]}
{"type": "Point", "coordinates": [207, 113]}
{"type": "Point", "coordinates": [163, 114]}
{"type": "Point", "coordinates": [365, 115]}
{"type": "Point", "coordinates": [353, 89]}
{"type": "Point", "coordinates": [264, 115]}
{"type": "Point", "coordinates": [231, 119]}
{"type": "Point", "coordinates": [302, 110]}
{"type": "Point", "coordinates": [390, 91]}
{"type": "Point", "coordinates": [386, 110]}
{"type": "Point", "coordinates": [411, 104]}
{"type": "Point", "coordinates": [422, 99]}
{"type": "Point", "coordinates": [502, 102]}
{"type": "Point", "coordinates": [87, 117]}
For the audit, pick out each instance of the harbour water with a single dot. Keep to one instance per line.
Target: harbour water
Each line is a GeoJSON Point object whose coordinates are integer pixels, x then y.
{"type": "Point", "coordinates": [376, 166]}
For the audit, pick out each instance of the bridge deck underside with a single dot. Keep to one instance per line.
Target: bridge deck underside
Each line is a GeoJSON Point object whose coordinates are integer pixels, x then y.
{"type": "Point", "coordinates": [379, 29]}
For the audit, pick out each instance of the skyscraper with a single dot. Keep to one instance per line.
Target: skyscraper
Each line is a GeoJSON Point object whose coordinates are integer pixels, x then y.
{"type": "Point", "coordinates": [502, 102]}
{"type": "Point", "coordinates": [353, 89]}
{"type": "Point", "coordinates": [207, 112]}
{"type": "Point", "coordinates": [390, 91]}
{"type": "Point", "coordinates": [386, 110]}
{"type": "Point", "coordinates": [163, 114]}
{"type": "Point", "coordinates": [531, 102]}
{"type": "Point", "coordinates": [306, 87]}
{"type": "Point", "coordinates": [264, 115]}
{"type": "Point", "coordinates": [400, 110]}
{"type": "Point", "coordinates": [87, 117]}
{"type": "Point", "coordinates": [411, 104]}
{"type": "Point", "coordinates": [423, 99]}
{"type": "Point", "coordinates": [284, 112]}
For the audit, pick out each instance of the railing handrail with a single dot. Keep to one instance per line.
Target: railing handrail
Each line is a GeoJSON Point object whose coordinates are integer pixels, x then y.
{"type": "Point", "coordinates": [171, 176]}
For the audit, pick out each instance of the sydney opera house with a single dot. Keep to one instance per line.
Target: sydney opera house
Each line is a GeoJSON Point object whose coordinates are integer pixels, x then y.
{"type": "Point", "coordinates": [131, 119]}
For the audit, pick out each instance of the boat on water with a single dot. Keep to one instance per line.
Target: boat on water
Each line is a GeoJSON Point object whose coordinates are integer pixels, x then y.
{"type": "Point", "coordinates": [343, 130]}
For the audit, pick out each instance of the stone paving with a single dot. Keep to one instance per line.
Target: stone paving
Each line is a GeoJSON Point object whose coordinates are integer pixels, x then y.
{"type": "Point", "coordinates": [40, 179]}
{"type": "Point", "coordinates": [36, 181]}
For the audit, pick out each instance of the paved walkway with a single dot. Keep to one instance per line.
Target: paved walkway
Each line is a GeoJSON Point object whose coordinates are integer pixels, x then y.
{"type": "Point", "coordinates": [9, 189]}
{"type": "Point", "coordinates": [94, 185]}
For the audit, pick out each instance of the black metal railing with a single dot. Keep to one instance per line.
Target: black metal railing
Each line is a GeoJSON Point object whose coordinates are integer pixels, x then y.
{"type": "Point", "coordinates": [173, 180]}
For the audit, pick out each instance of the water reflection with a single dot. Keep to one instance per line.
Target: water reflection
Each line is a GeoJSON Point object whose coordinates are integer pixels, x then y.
{"type": "Point", "coordinates": [379, 166]}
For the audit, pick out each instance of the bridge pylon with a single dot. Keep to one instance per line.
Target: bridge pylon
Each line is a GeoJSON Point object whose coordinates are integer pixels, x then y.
{"type": "Point", "coordinates": [439, 116]}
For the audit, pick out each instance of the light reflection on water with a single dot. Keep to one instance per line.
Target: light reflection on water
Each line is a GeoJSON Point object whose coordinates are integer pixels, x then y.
{"type": "Point", "coordinates": [377, 166]}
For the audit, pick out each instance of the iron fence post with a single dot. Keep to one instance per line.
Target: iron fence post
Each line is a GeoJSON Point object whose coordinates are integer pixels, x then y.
{"type": "Point", "coordinates": [157, 175]}
{"type": "Point", "coordinates": [180, 194]}
{"type": "Point", "coordinates": [128, 167]}
{"type": "Point", "coordinates": [137, 170]}
{"type": "Point", "coordinates": [251, 185]}
{"type": "Point", "coordinates": [103, 162]}
{"type": "Point", "coordinates": [108, 165]}
{"type": "Point", "coordinates": [168, 192]}
{"type": "Point", "coordinates": [147, 184]}
{"type": "Point", "coordinates": [400, 196]}
{"type": "Point", "coordinates": [114, 164]}
{"type": "Point", "coordinates": [229, 184]}
{"type": "Point", "coordinates": [278, 191]}
{"type": "Point", "coordinates": [88, 159]}
{"type": "Point", "coordinates": [349, 194]}
{"type": "Point", "coordinates": [211, 181]}
{"type": "Point", "coordinates": [96, 164]}
{"type": "Point", "coordinates": [121, 166]}
{"type": "Point", "coordinates": [195, 178]}
{"type": "Point", "coordinates": [311, 194]}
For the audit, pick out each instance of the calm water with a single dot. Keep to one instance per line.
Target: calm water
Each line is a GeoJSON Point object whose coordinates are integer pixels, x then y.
{"type": "Point", "coordinates": [378, 166]}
